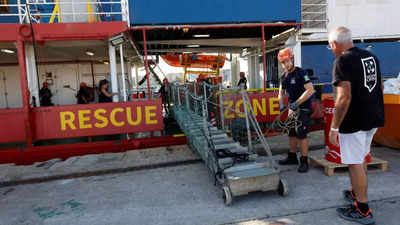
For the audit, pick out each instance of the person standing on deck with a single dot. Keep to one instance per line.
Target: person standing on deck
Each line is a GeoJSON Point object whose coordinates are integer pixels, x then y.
{"type": "Point", "coordinates": [45, 95]}
{"type": "Point", "coordinates": [242, 80]}
{"type": "Point", "coordinates": [297, 85]}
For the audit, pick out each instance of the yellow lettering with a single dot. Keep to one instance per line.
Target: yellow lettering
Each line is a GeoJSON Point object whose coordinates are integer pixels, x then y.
{"type": "Point", "coordinates": [138, 116]}
{"type": "Point", "coordinates": [83, 119]}
{"type": "Point", "coordinates": [149, 114]}
{"type": "Point", "coordinates": [257, 107]}
{"type": "Point", "coordinates": [98, 116]}
{"type": "Point", "coordinates": [228, 109]}
{"type": "Point", "coordinates": [67, 121]}
{"type": "Point", "coordinates": [237, 109]}
{"type": "Point", "coordinates": [274, 106]}
{"type": "Point", "coordinates": [113, 120]}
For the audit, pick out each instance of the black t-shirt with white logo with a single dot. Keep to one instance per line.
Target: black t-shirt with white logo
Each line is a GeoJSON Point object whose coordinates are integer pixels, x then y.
{"type": "Point", "coordinates": [361, 69]}
{"type": "Point", "coordinates": [294, 83]}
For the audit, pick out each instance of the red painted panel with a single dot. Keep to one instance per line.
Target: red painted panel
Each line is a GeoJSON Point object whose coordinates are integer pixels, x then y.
{"type": "Point", "coordinates": [12, 126]}
{"type": "Point", "coordinates": [78, 31]}
{"type": "Point", "coordinates": [62, 31]}
{"type": "Point", "coordinates": [9, 32]}
{"type": "Point", "coordinates": [265, 106]}
{"type": "Point", "coordinates": [97, 119]}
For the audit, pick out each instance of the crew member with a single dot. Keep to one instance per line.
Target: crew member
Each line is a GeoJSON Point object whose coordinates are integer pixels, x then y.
{"type": "Point", "coordinates": [242, 80]}
{"type": "Point", "coordinates": [359, 112]}
{"type": "Point", "coordinates": [104, 95]}
{"type": "Point", "coordinates": [210, 93]}
{"type": "Point", "coordinates": [297, 85]}
{"type": "Point", "coordinates": [164, 90]}
{"type": "Point", "coordinates": [83, 95]}
{"type": "Point", "coordinates": [45, 95]}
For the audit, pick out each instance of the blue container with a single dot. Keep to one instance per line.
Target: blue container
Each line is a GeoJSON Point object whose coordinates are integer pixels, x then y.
{"type": "Point", "coordinates": [212, 11]}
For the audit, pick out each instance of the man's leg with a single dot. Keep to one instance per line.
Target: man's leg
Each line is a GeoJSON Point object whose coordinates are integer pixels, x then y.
{"type": "Point", "coordinates": [354, 148]}
{"type": "Point", "coordinates": [301, 134]}
{"type": "Point", "coordinates": [291, 159]}
{"type": "Point", "coordinates": [359, 182]}
{"type": "Point", "coordinates": [303, 146]}
{"type": "Point", "coordinates": [293, 144]}
{"type": "Point", "coordinates": [303, 168]}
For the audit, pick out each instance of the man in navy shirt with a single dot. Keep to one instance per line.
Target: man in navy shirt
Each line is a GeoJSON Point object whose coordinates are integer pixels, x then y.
{"type": "Point", "coordinates": [297, 85]}
{"type": "Point", "coordinates": [242, 80]}
{"type": "Point", "coordinates": [359, 112]}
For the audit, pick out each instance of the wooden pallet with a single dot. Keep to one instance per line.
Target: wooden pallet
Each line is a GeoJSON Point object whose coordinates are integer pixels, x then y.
{"type": "Point", "coordinates": [329, 167]}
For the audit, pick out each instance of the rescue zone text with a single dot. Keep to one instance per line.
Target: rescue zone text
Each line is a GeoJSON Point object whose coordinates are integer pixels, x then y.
{"type": "Point", "coordinates": [99, 119]}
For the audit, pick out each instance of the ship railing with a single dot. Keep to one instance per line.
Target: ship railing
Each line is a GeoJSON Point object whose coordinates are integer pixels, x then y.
{"type": "Point", "coordinates": [57, 11]}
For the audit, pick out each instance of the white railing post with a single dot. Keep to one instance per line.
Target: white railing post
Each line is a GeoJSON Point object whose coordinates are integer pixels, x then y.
{"type": "Point", "coordinates": [73, 11]}
{"type": "Point", "coordinates": [121, 55]}
{"type": "Point", "coordinates": [19, 11]}
{"type": "Point", "coordinates": [113, 71]}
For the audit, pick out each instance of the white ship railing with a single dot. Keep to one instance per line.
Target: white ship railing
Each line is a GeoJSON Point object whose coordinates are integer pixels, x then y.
{"type": "Point", "coordinates": [35, 11]}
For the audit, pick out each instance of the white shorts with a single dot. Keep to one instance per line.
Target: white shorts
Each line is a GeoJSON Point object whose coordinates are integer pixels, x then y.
{"type": "Point", "coordinates": [355, 146]}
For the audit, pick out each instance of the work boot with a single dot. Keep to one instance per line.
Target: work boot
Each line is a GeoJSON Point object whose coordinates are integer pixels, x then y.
{"type": "Point", "coordinates": [291, 159]}
{"type": "Point", "coordinates": [303, 168]}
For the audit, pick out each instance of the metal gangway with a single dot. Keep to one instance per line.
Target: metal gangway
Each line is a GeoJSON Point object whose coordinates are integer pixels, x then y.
{"type": "Point", "coordinates": [236, 167]}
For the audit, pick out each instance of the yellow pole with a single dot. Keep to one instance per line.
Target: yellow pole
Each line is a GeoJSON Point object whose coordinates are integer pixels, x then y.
{"type": "Point", "coordinates": [185, 68]}
{"type": "Point", "coordinates": [184, 74]}
{"type": "Point", "coordinates": [91, 17]}
{"type": "Point", "coordinates": [56, 12]}
{"type": "Point", "coordinates": [217, 72]}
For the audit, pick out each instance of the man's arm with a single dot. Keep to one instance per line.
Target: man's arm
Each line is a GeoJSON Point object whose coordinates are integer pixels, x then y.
{"type": "Point", "coordinates": [281, 95]}
{"type": "Point", "coordinates": [342, 103]}
{"type": "Point", "coordinates": [307, 94]}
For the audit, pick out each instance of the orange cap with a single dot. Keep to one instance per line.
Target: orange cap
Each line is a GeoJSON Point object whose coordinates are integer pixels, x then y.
{"type": "Point", "coordinates": [285, 54]}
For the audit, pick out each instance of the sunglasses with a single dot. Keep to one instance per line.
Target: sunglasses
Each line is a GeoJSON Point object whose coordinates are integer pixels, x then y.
{"type": "Point", "coordinates": [329, 46]}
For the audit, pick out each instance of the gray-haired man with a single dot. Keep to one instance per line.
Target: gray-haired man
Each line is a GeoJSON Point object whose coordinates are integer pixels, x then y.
{"type": "Point", "coordinates": [359, 111]}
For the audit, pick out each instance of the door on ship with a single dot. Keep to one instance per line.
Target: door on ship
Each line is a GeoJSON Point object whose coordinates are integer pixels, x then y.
{"type": "Point", "coordinates": [63, 83]}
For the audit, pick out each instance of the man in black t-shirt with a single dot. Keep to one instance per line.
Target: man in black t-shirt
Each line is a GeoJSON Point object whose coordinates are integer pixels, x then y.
{"type": "Point", "coordinates": [242, 80]}
{"type": "Point", "coordinates": [297, 85]}
{"type": "Point", "coordinates": [359, 112]}
{"type": "Point", "coordinates": [164, 91]}
{"type": "Point", "coordinates": [45, 95]}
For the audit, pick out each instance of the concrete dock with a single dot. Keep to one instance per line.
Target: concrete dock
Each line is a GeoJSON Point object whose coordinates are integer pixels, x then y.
{"type": "Point", "coordinates": [171, 186]}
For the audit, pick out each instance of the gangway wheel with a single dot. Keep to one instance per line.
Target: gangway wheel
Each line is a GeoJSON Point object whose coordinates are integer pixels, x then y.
{"type": "Point", "coordinates": [226, 195]}
{"type": "Point", "coordinates": [283, 188]}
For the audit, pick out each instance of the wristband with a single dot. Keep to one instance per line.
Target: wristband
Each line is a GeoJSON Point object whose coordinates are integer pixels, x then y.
{"type": "Point", "coordinates": [335, 129]}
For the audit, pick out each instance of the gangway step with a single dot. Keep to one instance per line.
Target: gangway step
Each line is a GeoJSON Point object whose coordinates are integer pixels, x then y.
{"type": "Point", "coordinates": [226, 146]}
{"type": "Point", "coordinates": [223, 141]}
{"type": "Point", "coordinates": [219, 136]}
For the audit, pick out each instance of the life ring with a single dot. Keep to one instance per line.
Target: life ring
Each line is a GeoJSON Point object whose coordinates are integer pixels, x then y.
{"type": "Point", "coordinates": [25, 31]}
